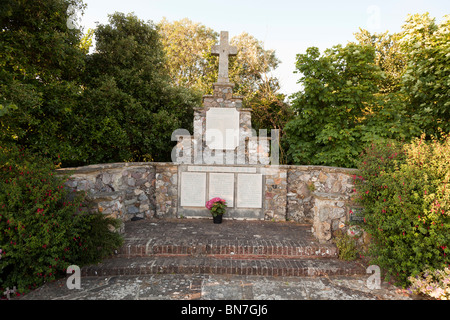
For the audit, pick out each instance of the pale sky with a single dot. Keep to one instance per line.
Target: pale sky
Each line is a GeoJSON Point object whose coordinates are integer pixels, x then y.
{"type": "Point", "coordinates": [286, 26]}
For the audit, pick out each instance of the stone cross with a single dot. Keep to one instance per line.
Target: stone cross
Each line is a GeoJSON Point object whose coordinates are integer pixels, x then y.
{"type": "Point", "coordinates": [223, 51]}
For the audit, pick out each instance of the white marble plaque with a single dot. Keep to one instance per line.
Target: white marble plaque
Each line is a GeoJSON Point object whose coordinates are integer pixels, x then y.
{"type": "Point", "coordinates": [193, 189]}
{"type": "Point", "coordinates": [249, 191]}
{"type": "Point", "coordinates": [222, 128]}
{"type": "Point", "coordinates": [222, 185]}
{"type": "Point", "coordinates": [222, 169]}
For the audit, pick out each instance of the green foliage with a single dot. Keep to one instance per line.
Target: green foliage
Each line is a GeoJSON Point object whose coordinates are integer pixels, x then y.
{"type": "Point", "coordinates": [98, 238]}
{"type": "Point", "coordinates": [219, 208]}
{"type": "Point", "coordinates": [346, 245]}
{"type": "Point", "coordinates": [406, 199]}
{"type": "Point", "coordinates": [129, 108]}
{"type": "Point", "coordinates": [116, 104]}
{"type": "Point", "coordinates": [44, 226]}
{"type": "Point", "coordinates": [386, 87]}
{"type": "Point", "coordinates": [425, 81]}
{"type": "Point", "coordinates": [338, 95]}
{"type": "Point", "coordinates": [40, 63]}
{"type": "Point", "coordinates": [389, 57]}
{"type": "Point", "coordinates": [250, 69]}
{"type": "Point", "coordinates": [187, 46]}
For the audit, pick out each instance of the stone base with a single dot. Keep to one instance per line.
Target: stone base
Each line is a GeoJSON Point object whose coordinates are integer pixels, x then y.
{"type": "Point", "coordinates": [236, 214]}
{"type": "Point", "coordinates": [316, 195]}
{"type": "Point", "coordinates": [330, 211]}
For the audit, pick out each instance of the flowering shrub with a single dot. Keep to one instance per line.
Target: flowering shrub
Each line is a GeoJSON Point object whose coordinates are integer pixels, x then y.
{"type": "Point", "coordinates": [406, 199]}
{"type": "Point", "coordinates": [216, 206]}
{"type": "Point", "coordinates": [43, 226]}
{"type": "Point", "coordinates": [435, 284]}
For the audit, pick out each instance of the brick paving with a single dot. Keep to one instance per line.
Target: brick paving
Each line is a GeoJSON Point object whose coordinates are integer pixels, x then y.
{"type": "Point", "coordinates": [199, 237]}
{"type": "Point", "coordinates": [235, 247]}
{"type": "Point", "coordinates": [189, 259]}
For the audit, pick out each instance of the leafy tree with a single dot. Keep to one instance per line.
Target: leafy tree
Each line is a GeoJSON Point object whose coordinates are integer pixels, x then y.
{"type": "Point", "coordinates": [425, 80]}
{"type": "Point", "coordinates": [250, 69]}
{"type": "Point", "coordinates": [385, 87]}
{"type": "Point", "coordinates": [338, 95]}
{"type": "Point", "coordinates": [40, 64]}
{"type": "Point", "coordinates": [130, 108]}
{"type": "Point", "coordinates": [116, 104]}
{"type": "Point", "coordinates": [389, 56]}
{"type": "Point", "coordinates": [187, 46]}
{"type": "Point", "coordinates": [395, 116]}
{"type": "Point", "coordinates": [415, 65]}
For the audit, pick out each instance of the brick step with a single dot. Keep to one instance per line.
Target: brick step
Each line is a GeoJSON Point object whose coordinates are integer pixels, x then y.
{"type": "Point", "coordinates": [250, 249]}
{"type": "Point", "coordinates": [213, 265]}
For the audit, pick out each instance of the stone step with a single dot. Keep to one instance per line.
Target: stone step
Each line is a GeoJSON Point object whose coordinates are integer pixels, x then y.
{"type": "Point", "coordinates": [227, 266]}
{"type": "Point", "coordinates": [237, 248]}
{"type": "Point", "coordinates": [250, 239]}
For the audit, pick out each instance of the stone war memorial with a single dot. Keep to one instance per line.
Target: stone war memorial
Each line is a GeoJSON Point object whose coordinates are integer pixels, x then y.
{"type": "Point", "coordinates": [224, 157]}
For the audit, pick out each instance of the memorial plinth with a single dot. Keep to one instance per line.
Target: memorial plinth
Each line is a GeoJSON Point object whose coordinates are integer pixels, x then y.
{"type": "Point", "coordinates": [241, 187]}
{"type": "Point", "coordinates": [218, 160]}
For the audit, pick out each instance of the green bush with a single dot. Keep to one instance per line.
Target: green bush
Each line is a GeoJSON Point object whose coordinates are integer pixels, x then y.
{"type": "Point", "coordinates": [44, 227]}
{"type": "Point", "coordinates": [346, 245]}
{"type": "Point", "coordinates": [406, 197]}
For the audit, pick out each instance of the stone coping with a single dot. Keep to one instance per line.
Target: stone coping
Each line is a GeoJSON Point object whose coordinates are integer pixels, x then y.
{"type": "Point", "coordinates": [117, 165]}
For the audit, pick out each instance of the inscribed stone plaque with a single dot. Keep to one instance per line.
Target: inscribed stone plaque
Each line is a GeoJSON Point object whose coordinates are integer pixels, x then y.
{"type": "Point", "coordinates": [222, 128]}
{"type": "Point", "coordinates": [222, 169]}
{"type": "Point", "coordinates": [193, 189]}
{"type": "Point", "coordinates": [222, 185]}
{"type": "Point", "coordinates": [249, 191]}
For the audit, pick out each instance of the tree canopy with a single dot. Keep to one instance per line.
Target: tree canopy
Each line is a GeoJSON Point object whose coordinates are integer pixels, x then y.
{"type": "Point", "coordinates": [426, 78]}
{"type": "Point", "coordinates": [337, 99]}
{"type": "Point", "coordinates": [116, 104]}
{"type": "Point", "coordinates": [123, 101]}
{"type": "Point", "coordinates": [130, 107]}
{"type": "Point", "coordinates": [382, 87]}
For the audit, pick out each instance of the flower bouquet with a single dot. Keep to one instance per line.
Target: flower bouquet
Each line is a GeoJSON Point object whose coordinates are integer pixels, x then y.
{"type": "Point", "coordinates": [217, 207]}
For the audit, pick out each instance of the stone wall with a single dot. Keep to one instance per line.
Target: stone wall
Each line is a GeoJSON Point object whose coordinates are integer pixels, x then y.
{"type": "Point", "coordinates": [166, 191]}
{"type": "Point", "coordinates": [321, 196]}
{"type": "Point", "coordinates": [275, 192]}
{"type": "Point", "coordinates": [316, 195]}
{"type": "Point", "coordinates": [122, 190]}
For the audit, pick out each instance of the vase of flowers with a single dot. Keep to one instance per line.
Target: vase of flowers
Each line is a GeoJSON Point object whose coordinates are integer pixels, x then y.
{"type": "Point", "coordinates": [217, 207]}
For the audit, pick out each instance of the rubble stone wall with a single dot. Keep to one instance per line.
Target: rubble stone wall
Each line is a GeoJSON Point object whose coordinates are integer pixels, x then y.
{"type": "Point", "coordinates": [316, 195]}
